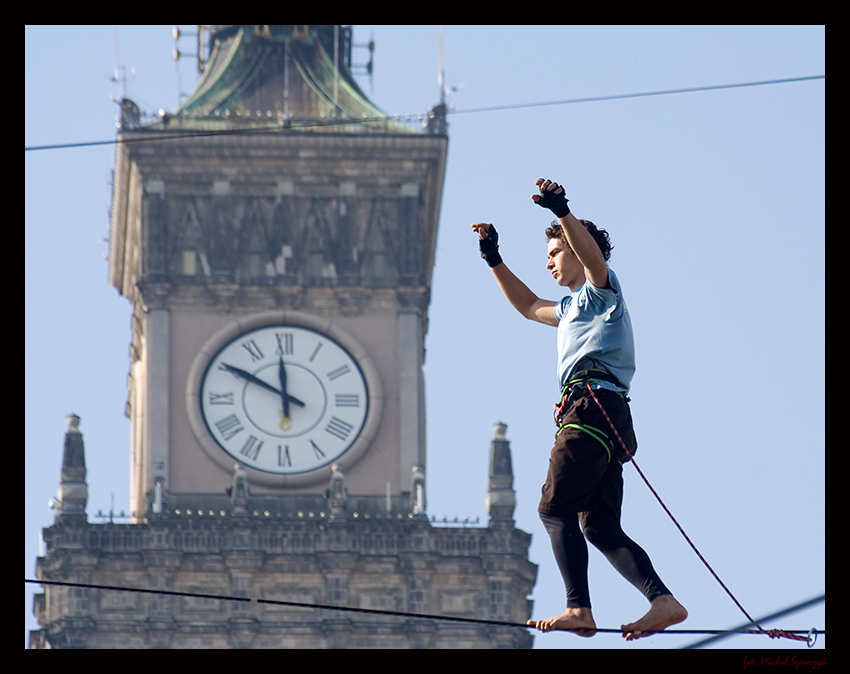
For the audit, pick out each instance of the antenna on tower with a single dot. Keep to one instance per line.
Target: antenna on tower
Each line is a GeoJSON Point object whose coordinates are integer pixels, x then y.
{"type": "Point", "coordinates": [200, 52]}
{"type": "Point", "coordinates": [115, 73]}
{"type": "Point", "coordinates": [441, 76]}
{"type": "Point", "coordinates": [436, 122]}
{"type": "Point", "coordinates": [368, 67]}
{"type": "Point", "coordinates": [119, 73]}
{"type": "Point", "coordinates": [130, 116]}
{"type": "Point", "coordinates": [336, 68]}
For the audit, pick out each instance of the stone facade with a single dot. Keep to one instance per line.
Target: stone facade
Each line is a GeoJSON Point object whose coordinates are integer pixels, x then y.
{"type": "Point", "coordinates": [384, 564]}
{"type": "Point", "coordinates": [333, 551]}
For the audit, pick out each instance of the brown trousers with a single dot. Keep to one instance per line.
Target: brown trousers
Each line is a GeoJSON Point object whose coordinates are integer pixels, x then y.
{"type": "Point", "coordinates": [586, 474]}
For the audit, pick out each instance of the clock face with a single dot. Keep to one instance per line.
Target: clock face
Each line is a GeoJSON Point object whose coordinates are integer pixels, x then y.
{"type": "Point", "coordinates": [285, 400]}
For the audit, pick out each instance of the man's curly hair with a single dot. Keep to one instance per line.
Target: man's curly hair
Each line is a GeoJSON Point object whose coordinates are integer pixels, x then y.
{"type": "Point", "coordinates": [599, 235]}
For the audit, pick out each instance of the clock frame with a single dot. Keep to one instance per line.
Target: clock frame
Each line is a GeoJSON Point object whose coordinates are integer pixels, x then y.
{"type": "Point", "coordinates": [326, 437]}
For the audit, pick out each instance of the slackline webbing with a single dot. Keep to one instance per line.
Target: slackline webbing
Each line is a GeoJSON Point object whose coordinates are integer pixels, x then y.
{"type": "Point", "coordinates": [809, 635]}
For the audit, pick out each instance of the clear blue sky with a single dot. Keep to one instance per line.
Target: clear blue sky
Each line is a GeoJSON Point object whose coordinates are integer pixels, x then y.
{"type": "Point", "coordinates": [715, 202]}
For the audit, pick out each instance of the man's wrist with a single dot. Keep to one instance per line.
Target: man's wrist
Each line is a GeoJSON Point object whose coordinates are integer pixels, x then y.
{"type": "Point", "coordinates": [493, 259]}
{"type": "Point", "coordinates": [489, 247]}
{"type": "Point", "coordinates": [561, 212]}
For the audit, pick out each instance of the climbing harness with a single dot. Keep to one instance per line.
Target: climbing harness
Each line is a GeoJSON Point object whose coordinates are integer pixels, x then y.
{"type": "Point", "coordinates": [584, 378]}
{"type": "Point", "coordinates": [773, 634]}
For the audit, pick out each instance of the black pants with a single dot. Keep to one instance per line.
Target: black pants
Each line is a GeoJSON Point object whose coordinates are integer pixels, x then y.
{"type": "Point", "coordinates": [602, 529]}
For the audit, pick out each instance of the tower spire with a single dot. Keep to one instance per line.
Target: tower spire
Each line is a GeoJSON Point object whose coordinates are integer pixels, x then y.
{"type": "Point", "coordinates": [73, 495]}
{"type": "Point", "coordinates": [501, 497]}
{"type": "Point", "coordinates": [273, 76]}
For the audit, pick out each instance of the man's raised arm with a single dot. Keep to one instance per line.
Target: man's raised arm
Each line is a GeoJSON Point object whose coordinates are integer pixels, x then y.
{"type": "Point", "coordinates": [553, 197]}
{"type": "Point", "coordinates": [517, 293]}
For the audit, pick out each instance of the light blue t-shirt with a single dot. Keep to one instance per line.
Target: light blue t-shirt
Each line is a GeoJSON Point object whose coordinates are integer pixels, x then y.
{"type": "Point", "coordinates": [594, 322]}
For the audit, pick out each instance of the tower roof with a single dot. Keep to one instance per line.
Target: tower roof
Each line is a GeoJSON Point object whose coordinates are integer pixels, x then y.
{"type": "Point", "coordinates": [291, 76]}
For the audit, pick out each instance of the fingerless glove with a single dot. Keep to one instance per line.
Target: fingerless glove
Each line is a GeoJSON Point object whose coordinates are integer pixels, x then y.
{"type": "Point", "coordinates": [489, 247]}
{"type": "Point", "coordinates": [557, 203]}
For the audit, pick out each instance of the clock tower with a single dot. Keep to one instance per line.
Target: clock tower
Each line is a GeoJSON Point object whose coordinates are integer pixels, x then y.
{"type": "Point", "coordinates": [276, 229]}
{"type": "Point", "coordinates": [275, 237]}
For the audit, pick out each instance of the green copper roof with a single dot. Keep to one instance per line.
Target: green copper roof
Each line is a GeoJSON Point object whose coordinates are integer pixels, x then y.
{"type": "Point", "coordinates": [281, 76]}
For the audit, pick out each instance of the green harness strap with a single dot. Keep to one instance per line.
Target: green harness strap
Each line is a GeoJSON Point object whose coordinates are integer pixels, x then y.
{"type": "Point", "coordinates": [587, 376]}
{"type": "Point", "coordinates": [593, 432]}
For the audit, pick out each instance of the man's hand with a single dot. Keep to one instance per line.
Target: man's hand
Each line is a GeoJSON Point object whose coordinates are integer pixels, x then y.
{"type": "Point", "coordinates": [552, 196]}
{"type": "Point", "coordinates": [488, 243]}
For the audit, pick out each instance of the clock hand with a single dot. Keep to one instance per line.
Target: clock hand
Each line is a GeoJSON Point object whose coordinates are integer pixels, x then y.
{"type": "Point", "coordinates": [247, 376]}
{"type": "Point", "coordinates": [285, 419]}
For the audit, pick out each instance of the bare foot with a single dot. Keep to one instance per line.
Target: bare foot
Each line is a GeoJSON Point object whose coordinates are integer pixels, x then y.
{"type": "Point", "coordinates": [577, 620]}
{"type": "Point", "coordinates": [663, 612]}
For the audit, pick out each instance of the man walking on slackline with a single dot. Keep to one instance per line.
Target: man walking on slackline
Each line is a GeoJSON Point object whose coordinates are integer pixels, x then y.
{"type": "Point", "coordinates": [583, 492]}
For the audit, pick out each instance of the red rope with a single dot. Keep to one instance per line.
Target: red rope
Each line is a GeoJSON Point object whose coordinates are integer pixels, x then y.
{"type": "Point", "coordinates": [773, 634]}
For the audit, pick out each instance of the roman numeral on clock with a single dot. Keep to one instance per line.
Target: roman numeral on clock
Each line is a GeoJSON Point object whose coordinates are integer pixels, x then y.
{"type": "Point", "coordinates": [333, 375]}
{"type": "Point", "coordinates": [221, 398]}
{"type": "Point", "coordinates": [318, 452]}
{"type": "Point", "coordinates": [251, 347]}
{"type": "Point", "coordinates": [251, 449]}
{"type": "Point", "coordinates": [229, 426]}
{"type": "Point", "coordinates": [285, 343]}
{"type": "Point", "coordinates": [347, 400]}
{"type": "Point", "coordinates": [339, 428]}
